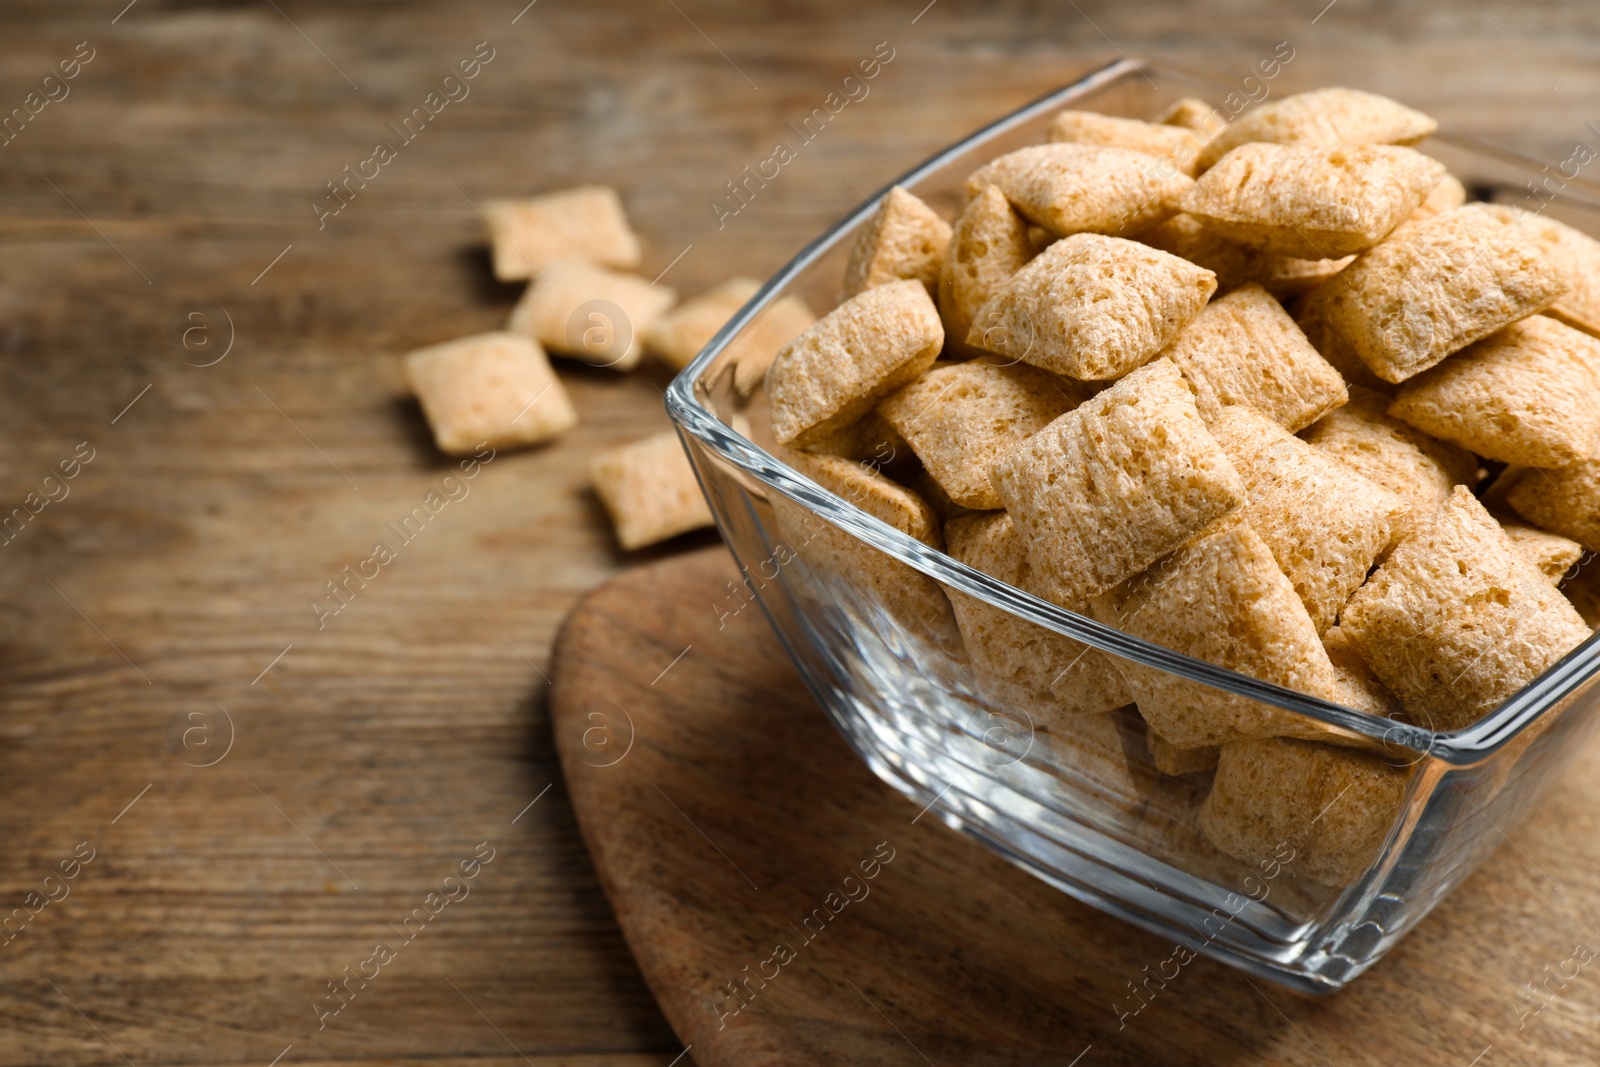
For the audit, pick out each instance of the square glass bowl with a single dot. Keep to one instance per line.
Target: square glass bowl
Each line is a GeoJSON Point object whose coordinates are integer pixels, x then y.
{"type": "Point", "coordinates": [865, 611]}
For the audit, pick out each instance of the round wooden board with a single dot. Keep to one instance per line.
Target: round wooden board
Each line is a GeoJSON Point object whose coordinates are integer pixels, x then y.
{"type": "Point", "coordinates": [722, 809]}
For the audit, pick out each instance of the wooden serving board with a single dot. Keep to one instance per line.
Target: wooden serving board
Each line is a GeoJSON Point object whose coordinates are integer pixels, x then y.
{"type": "Point", "coordinates": [721, 809]}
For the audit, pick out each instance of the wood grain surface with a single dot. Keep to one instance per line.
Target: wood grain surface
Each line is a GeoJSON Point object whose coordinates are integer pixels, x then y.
{"type": "Point", "coordinates": [177, 177]}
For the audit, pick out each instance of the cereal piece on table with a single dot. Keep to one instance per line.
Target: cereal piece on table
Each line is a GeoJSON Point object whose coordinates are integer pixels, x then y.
{"type": "Point", "coordinates": [905, 239]}
{"type": "Point", "coordinates": [679, 335]}
{"type": "Point", "coordinates": [759, 343]}
{"type": "Point", "coordinates": [1529, 395]}
{"type": "Point", "coordinates": [1421, 470]}
{"type": "Point", "coordinates": [1093, 307]}
{"type": "Point", "coordinates": [1583, 591]}
{"type": "Point", "coordinates": [1324, 523]}
{"type": "Point", "coordinates": [1194, 114]}
{"type": "Point", "coordinates": [1456, 621]}
{"type": "Point", "coordinates": [1184, 236]}
{"type": "Point", "coordinates": [1078, 188]}
{"type": "Point", "coordinates": [1358, 687]}
{"type": "Point", "coordinates": [1311, 809]}
{"type": "Point", "coordinates": [1312, 202]}
{"type": "Point", "coordinates": [1170, 759]}
{"type": "Point", "coordinates": [1221, 599]}
{"type": "Point", "coordinates": [959, 419]}
{"type": "Point", "coordinates": [988, 245]}
{"type": "Point", "coordinates": [1564, 501]}
{"type": "Point", "coordinates": [1553, 554]}
{"type": "Point", "coordinates": [1448, 195]}
{"type": "Point", "coordinates": [590, 313]}
{"type": "Point", "coordinates": [1243, 348]}
{"type": "Point", "coordinates": [1112, 486]}
{"type": "Point", "coordinates": [1176, 145]}
{"type": "Point", "coordinates": [1574, 253]}
{"type": "Point", "coordinates": [1017, 663]}
{"type": "Point", "coordinates": [492, 388]}
{"type": "Point", "coordinates": [1435, 287]}
{"type": "Point", "coordinates": [1323, 117]}
{"type": "Point", "coordinates": [649, 489]}
{"type": "Point", "coordinates": [861, 351]}
{"type": "Point", "coordinates": [586, 223]}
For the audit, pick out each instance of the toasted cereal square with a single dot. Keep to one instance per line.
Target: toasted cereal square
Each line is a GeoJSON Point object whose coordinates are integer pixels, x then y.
{"type": "Point", "coordinates": [1078, 188]}
{"type": "Point", "coordinates": [1312, 202]}
{"type": "Point", "coordinates": [1324, 523]}
{"type": "Point", "coordinates": [959, 419]}
{"type": "Point", "coordinates": [1222, 599]}
{"type": "Point", "coordinates": [1313, 809]}
{"type": "Point", "coordinates": [1170, 759]}
{"type": "Point", "coordinates": [988, 245]}
{"type": "Point", "coordinates": [1194, 114]}
{"type": "Point", "coordinates": [1358, 688]}
{"type": "Point", "coordinates": [1174, 144]}
{"type": "Point", "coordinates": [759, 343]}
{"type": "Point", "coordinates": [1583, 591]}
{"type": "Point", "coordinates": [679, 335]}
{"type": "Point", "coordinates": [1565, 501]}
{"type": "Point", "coordinates": [928, 488]}
{"type": "Point", "coordinates": [1243, 348]}
{"type": "Point", "coordinates": [1419, 469]}
{"type": "Point", "coordinates": [1456, 621]}
{"type": "Point", "coordinates": [1185, 237]}
{"type": "Point", "coordinates": [1525, 395]}
{"type": "Point", "coordinates": [878, 496]}
{"type": "Point", "coordinates": [649, 489]}
{"type": "Point", "coordinates": [860, 352]}
{"type": "Point", "coordinates": [1324, 117]}
{"type": "Point", "coordinates": [1574, 253]}
{"type": "Point", "coordinates": [1448, 195]}
{"type": "Point", "coordinates": [1093, 307]}
{"type": "Point", "coordinates": [590, 313]}
{"type": "Point", "coordinates": [1286, 277]}
{"type": "Point", "coordinates": [1435, 287]}
{"type": "Point", "coordinates": [1112, 486]}
{"type": "Point", "coordinates": [492, 388]}
{"type": "Point", "coordinates": [586, 223]}
{"type": "Point", "coordinates": [1018, 664]}
{"type": "Point", "coordinates": [1553, 554]}
{"type": "Point", "coordinates": [905, 239]}
{"type": "Point", "coordinates": [870, 439]}
{"type": "Point", "coordinates": [1341, 356]}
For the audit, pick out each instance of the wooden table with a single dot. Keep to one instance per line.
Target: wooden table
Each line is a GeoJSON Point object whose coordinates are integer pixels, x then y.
{"type": "Point", "coordinates": [158, 617]}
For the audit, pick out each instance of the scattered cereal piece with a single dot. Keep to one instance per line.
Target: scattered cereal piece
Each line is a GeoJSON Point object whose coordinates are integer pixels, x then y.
{"type": "Point", "coordinates": [1018, 664]}
{"type": "Point", "coordinates": [1076, 188]}
{"type": "Point", "coordinates": [861, 351]}
{"type": "Point", "coordinates": [988, 245]}
{"type": "Point", "coordinates": [1311, 809]}
{"type": "Point", "coordinates": [590, 313]}
{"type": "Point", "coordinates": [1448, 195]}
{"type": "Point", "coordinates": [1194, 114]}
{"type": "Point", "coordinates": [959, 419]}
{"type": "Point", "coordinates": [759, 343]}
{"type": "Point", "coordinates": [1574, 253]}
{"type": "Point", "coordinates": [905, 239]}
{"type": "Point", "coordinates": [586, 223]}
{"type": "Point", "coordinates": [1312, 202]}
{"type": "Point", "coordinates": [1359, 688]}
{"type": "Point", "coordinates": [1553, 554]}
{"type": "Point", "coordinates": [1456, 621]}
{"type": "Point", "coordinates": [1565, 501]}
{"type": "Point", "coordinates": [1324, 523]}
{"type": "Point", "coordinates": [1112, 486]}
{"type": "Point", "coordinates": [1174, 144]}
{"type": "Point", "coordinates": [1433, 288]}
{"type": "Point", "coordinates": [1323, 117]}
{"type": "Point", "coordinates": [1529, 394]}
{"type": "Point", "coordinates": [1243, 348]}
{"type": "Point", "coordinates": [649, 489]}
{"type": "Point", "coordinates": [1170, 759]}
{"type": "Point", "coordinates": [1093, 307]}
{"type": "Point", "coordinates": [679, 335]}
{"type": "Point", "coordinates": [493, 388]}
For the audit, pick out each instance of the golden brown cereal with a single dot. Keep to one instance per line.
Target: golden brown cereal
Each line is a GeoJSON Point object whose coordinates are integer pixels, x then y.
{"type": "Point", "coordinates": [959, 419]}
{"type": "Point", "coordinates": [1583, 591]}
{"type": "Point", "coordinates": [1448, 195]}
{"type": "Point", "coordinates": [1419, 469]}
{"type": "Point", "coordinates": [988, 245]}
{"type": "Point", "coordinates": [870, 491]}
{"type": "Point", "coordinates": [1312, 202]}
{"type": "Point", "coordinates": [1243, 348]}
{"type": "Point", "coordinates": [1324, 523]}
{"type": "Point", "coordinates": [1076, 188]}
{"type": "Point", "coordinates": [1553, 554]}
{"type": "Point", "coordinates": [649, 489]}
{"type": "Point", "coordinates": [590, 313]}
{"type": "Point", "coordinates": [1433, 288]}
{"type": "Point", "coordinates": [1184, 236]}
{"type": "Point", "coordinates": [905, 239]}
{"type": "Point", "coordinates": [1311, 809]}
{"type": "Point", "coordinates": [1194, 114]}
{"type": "Point", "coordinates": [759, 343]}
{"type": "Point", "coordinates": [1174, 144]}
{"type": "Point", "coordinates": [1338, 352]}
{"type": "Point", "coordinates": [1574, 253]}
{"type": "Point", "coordinates": [861, 351]}
{"type": "Point", "coordinates": [586, 223]}
{"type": "Point", "coordinates": [1018, 664]}
{"type": "Point", "coordinates": [1093, 307]}
{"type": "Point", "coordinates": [1109, 488]}
{"type": "Point", "coordinates": [1170, 759]}
{"type": "Point", "coordinates": [1359, 688]}
{"type": "Point", "coordinates": [1529, 394]}
{"type": "Point", "coordinates": [1324, 117]}
{"type": "Point", "coordinates": [1565, 501]}
{"type": "Point", "coordinates": [492, 388]}
{"type": "Point", "coordinates": [929, 489]}
{"type": "Point", "coordinates": [1286, 277]}
{"type": "Point", "coordinates": [1456, 620]}
{"type": "Point", "coordinates": [870, 439]}
{"type": "Point", "coordinates": [1221, 599]}
{"type": "Point", "coordinates": [679, 335]}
